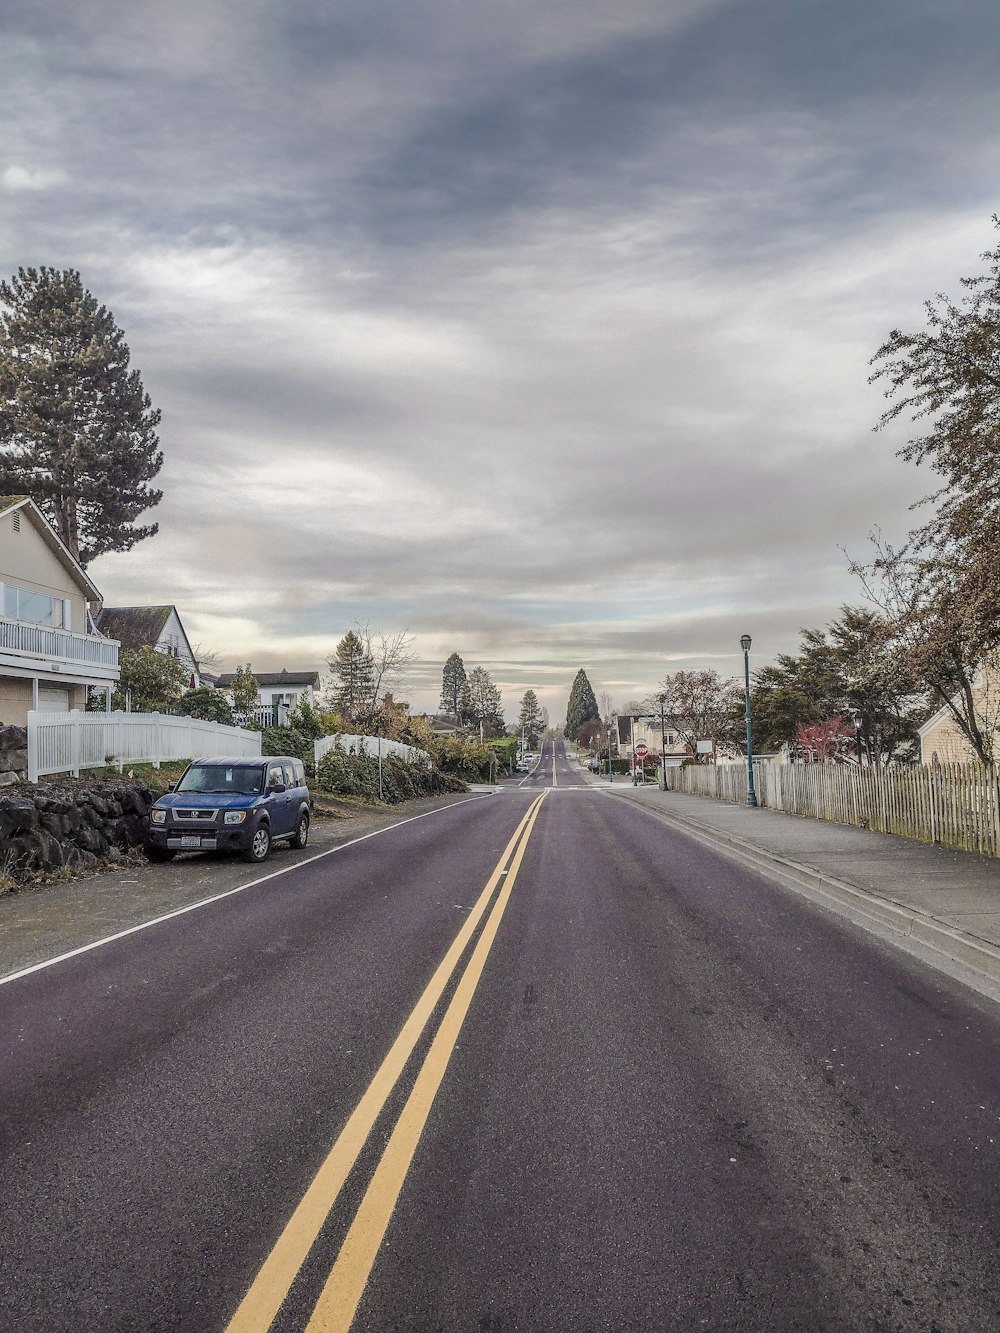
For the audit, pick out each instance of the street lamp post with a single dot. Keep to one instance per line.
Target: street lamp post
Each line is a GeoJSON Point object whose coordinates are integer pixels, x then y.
{"type": "Point", "coordinates": [661, 699]}
{"type": "Point", "coordinates": [745, 642]}
{"type": "Point", "coordinates": [611, 776]}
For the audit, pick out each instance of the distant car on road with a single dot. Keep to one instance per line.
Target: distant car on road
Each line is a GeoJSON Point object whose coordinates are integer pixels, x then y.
{"type": "Point", "coordinates": [232, 805]}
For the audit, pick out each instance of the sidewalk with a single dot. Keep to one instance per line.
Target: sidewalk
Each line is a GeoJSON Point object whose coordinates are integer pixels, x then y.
{"type": "Point", "coordinates": [945, 901]}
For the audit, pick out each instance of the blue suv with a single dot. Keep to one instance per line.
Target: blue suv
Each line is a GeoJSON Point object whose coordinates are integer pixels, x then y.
{"type": "Point", "coordinates": [231, 805]}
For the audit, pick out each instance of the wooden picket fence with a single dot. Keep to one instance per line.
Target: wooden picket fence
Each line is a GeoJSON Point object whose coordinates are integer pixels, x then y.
{"type": "Point", "coordinates": [955, 805]}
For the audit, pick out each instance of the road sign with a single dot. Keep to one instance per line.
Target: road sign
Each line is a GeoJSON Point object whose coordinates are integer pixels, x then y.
{"type": "Point", "coordinates": [641, 749]}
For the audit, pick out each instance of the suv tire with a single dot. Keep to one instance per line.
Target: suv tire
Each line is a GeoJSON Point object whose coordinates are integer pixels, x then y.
{"type": "Point", "coordinates": [301, 835]}
{"type": "Point", "coordinates": [260, 844]}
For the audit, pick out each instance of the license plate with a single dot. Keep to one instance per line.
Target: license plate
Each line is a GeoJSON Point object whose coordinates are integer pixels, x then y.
{"type": "Point", "coordinates": [190, 840]}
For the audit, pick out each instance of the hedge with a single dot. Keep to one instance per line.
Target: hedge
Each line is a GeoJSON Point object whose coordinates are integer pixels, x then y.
{"type": "Point", "coordinates": [344, 774]}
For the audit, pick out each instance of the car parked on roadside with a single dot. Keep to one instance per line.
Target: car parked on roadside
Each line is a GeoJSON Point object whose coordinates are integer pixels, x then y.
{"type": "Point", "coordinates": [231, 805]}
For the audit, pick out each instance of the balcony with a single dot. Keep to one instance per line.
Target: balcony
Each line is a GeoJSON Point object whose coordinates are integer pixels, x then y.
{"type": "Point", "coordinates": [56, 652]}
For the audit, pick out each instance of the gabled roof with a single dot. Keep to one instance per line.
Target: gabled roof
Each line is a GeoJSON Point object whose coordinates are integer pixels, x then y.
{"type": "Point", "coordinates": [269, 679]}
{"type": "Point", "coordinates": [134, 626]}
{"type": "Point", "coordinates": [55, 543]}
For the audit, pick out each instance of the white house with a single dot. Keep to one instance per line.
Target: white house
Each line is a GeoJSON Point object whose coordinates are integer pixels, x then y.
{"type": "Point", "coordinates": [278, 690]}
{"type": "Point", "coordinates": [156, 627]}
{"type": "Point", "coordinates": [50, 650]}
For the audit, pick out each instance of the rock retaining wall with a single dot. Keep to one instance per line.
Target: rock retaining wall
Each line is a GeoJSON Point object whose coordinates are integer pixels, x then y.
{"type": "Point", "coordinates": [13, 755]}
{"type": "Point", "coordinates": [49, 827]}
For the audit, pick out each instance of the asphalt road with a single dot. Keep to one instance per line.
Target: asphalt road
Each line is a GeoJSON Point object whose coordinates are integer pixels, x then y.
{"type": "Point", "coordinates": [554, 768]}
{"type": "Point", "coordinates": [531, 1062]}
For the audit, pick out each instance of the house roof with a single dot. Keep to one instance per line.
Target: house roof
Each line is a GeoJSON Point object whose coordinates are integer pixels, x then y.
{"type": "Point", "coordinates": [52, 539]}
{"type": "Point", "coordinates": [271, 678]}
{"type": "Point", "coordinates": [134, 626]}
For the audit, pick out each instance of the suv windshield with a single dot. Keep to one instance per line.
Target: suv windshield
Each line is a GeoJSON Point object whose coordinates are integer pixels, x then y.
{"type": "Point", "coordinates": [223, 779]}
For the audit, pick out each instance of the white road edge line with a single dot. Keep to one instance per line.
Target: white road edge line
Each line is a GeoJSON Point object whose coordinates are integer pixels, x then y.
{"type": "Point", "coordinates": [217, 897]}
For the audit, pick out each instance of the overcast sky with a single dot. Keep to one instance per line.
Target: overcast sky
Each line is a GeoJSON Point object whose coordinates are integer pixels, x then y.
{"type": "Point", "coordinates": [540, 329]}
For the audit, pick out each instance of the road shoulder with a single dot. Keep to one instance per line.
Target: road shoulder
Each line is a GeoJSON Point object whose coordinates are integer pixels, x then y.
{"type": "Point", "coordinates": [940, 906]}
{"type": "Point", "coordinates": [58, 916]}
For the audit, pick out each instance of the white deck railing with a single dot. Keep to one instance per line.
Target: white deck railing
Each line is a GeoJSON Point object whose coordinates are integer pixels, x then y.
{"type": "Point", "coordinates": [20, 636]}
{"type": "Point", "coordinates": [374, 746]}
{"type": "Point", "coordinates": [68, 742]}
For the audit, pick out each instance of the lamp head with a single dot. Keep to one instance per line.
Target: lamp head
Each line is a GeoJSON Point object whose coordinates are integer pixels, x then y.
{"type": "Point", "coordinates": [745, 642]}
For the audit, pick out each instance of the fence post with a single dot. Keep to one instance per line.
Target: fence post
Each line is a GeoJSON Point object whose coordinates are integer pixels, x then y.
{"type": "Point", "coordinates": [32, 747]}
{"type": "Point", "coordinates": [75, 741]}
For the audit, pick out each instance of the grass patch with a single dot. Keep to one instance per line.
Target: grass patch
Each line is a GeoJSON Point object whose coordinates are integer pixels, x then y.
{"type": "Point", "coordinates": [158, 780]}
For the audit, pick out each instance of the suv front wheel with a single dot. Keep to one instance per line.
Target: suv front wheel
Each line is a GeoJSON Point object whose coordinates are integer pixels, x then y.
{"type": "Point", "coordinates": [260, 845]}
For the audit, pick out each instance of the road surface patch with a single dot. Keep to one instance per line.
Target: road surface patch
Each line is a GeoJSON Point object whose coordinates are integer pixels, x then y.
{"type": "Point", "coordinates": [269, 1289]}
{"type": "Point", "coordinates": [215, 897]}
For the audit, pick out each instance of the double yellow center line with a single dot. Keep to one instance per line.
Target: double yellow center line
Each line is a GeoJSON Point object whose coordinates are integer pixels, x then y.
{"type": "Point", "coordinates": [343, 1289]}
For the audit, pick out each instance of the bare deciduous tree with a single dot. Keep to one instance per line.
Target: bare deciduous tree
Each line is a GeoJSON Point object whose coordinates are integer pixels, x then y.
{"type": "Point", "coordinates": [700, 706]}
{"type": "Point", "coordinates": [941, 623]}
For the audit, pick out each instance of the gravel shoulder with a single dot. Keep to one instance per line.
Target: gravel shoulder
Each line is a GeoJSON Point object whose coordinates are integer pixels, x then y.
{"type": "Point", "coordinates": [51, 918]}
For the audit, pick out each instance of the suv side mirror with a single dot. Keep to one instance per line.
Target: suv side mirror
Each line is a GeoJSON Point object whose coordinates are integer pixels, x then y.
{"type": "Point", "coordinates": [171, 786]}
{"type": "Point", "coordinates": [276, 788]}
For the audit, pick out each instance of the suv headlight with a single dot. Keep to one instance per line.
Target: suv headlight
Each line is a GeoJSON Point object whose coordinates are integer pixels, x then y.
{"type": "Point", "coordinates": [235, 816]}
{"type": "Point", "coordinates": [158, 816]}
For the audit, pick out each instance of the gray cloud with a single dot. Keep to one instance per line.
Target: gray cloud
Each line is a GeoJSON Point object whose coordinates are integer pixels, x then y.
{"type": "Point", "coordinates": [542, 333]}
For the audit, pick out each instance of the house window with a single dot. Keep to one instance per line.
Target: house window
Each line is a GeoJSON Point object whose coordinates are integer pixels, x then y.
{"type": "Point", "coordinates": [35, 607]}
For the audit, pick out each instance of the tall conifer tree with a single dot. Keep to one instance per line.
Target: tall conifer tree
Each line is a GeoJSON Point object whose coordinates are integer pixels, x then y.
{"type": "Point", "coordinates": [352, 694]}
{"type": "Point", "coordinates": [481, 703]}
{"type": "Point", "coordinates": [530, 722]}
{"type": "Point", "coordinates": [582, 706]}
{"type": "Point", "coordinates": [77, 428]}
{"type": "Point", "coordinates": [452, 683]}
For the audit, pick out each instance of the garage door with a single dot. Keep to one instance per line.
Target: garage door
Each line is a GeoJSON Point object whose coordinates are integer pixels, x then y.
{"type": "Point", "coordinates": [53, 699]}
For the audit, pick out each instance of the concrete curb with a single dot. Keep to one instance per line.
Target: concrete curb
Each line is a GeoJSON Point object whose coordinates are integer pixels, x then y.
{"type": "Point", "coordinates": [942, 942]}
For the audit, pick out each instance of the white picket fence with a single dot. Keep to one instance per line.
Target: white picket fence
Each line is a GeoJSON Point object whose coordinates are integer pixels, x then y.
{"type": "Point", "coordinates": [955, 805]}
{"type": "Point", "coordinates": [376, 746]}
{"type": "Point", "coordinates": [68, 742]}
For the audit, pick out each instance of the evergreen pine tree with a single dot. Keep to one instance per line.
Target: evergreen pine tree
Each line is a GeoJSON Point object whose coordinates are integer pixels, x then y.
{"type": "Point", "coordinates": [481, 703]}
{"type": "Point", "coordinates": [530, 723]}
{"type": "Point", "coordinates": [452, 684]}
{"type": "Point", "coordinates": [582, 706]}
{"type": "Point", "coordinates": [352, 694]}
{"type": "Point", "coordinates": [77, 429]}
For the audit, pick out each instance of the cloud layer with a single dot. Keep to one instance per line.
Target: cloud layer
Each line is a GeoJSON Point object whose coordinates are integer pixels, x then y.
{"type": "Point", "coordinates": [542, 334]}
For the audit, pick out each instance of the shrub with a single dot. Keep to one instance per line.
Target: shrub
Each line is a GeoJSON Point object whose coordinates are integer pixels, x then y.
{"type": "Point", "coordinates": [344, 774]}
{"type": "Point", "coordinates": [464, 758]}
{"type": "Point", "coordinates": [286, 740]}
{"type": "Point", "coordinates": [304, 718]}
{"type": "Point", "coordinates": [206, 703]}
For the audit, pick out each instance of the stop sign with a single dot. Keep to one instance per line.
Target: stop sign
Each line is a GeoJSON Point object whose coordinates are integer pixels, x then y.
{"type": "Point", "coordinates": [641, 749]}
